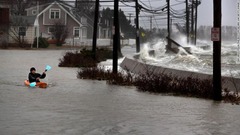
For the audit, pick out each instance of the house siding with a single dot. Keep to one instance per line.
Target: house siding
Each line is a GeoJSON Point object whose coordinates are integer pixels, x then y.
{"type": "Point", "coordinates": [41, 8]}
{"type": "Point", "coordinates": [45, 22]}
{"type": "Point", "coordinates": [29, 38]}
{"type": "Point", "coordinates": [71, 24]}
{"type": "Point", "coordinates": [43, 30]}
{"type": "Point", "coordinates": [48, 21]}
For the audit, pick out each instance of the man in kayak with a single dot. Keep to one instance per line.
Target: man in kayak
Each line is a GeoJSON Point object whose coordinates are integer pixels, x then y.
{"type": "Point", "coordinates": [35, 77]}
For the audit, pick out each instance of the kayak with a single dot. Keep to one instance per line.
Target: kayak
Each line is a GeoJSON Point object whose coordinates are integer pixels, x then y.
{"type": "Point", "coordinates": [38, 84]}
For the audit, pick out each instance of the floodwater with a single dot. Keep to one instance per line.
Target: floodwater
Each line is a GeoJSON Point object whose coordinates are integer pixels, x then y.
{"type": "Point", "coordinates": [72, 106]}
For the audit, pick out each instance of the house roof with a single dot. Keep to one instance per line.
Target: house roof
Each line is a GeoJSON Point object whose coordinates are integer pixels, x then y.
{"type": "Point", "coordinates": [64, 9]}
{"type": "Point", "coordinates": [4, 3]}
{"type": "Point", "coordinates": [69, 9]}
{"type": "Point", "coordinates": [40, 6]}
{"type": "Point", "coordinates": [22, 20]}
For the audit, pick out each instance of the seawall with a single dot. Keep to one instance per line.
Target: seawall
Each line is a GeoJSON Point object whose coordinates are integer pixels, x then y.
{"type": "Point", "coordinates": [138, 67]}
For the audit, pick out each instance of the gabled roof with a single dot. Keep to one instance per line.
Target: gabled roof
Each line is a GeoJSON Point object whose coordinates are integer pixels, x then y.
{"type": "Point", "coordinates": [55, 2]}
{"type": "Point", "coordinates": [69, 9]}
{"type": "Point", "coordinates": [75, 13]}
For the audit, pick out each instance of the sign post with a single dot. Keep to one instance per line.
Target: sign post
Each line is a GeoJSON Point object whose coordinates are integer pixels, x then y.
{"type": "Point", "coordinates": [216, 37]}
{"type": "Point", "coordinates": [238, 29]}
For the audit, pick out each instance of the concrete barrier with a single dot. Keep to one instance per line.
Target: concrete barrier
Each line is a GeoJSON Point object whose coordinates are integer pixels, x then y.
{"type": "Point", "coordinates": [137, 67]}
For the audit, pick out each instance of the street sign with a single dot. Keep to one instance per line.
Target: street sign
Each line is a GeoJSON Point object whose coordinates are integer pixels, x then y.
{"type": "Point", "coordinates": [215, 34]}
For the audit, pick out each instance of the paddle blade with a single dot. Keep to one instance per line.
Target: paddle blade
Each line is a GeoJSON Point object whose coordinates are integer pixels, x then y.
{"type": "Point", "coordinates": [48, 67]}
{"type": "Point", "coordinates": [33, 84]}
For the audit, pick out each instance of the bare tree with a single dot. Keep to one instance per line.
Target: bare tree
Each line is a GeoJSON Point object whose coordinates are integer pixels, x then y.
{"type": "Point", "coordinates": [60, 33]}
{"type": "Point", "coordinates": [85, 6]}
{"type": "Point", "coordinates": [4, 36]}
{"type": "Point", "coordinates": [18, 30]}
{"type": "Point", "coordinates": [18, 6]}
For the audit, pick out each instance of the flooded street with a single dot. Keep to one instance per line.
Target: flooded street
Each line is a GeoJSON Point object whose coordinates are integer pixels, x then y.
{"type": "Point", "coordinates": [72, 106]}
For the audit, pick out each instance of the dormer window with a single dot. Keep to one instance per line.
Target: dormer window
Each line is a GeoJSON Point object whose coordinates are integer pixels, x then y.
{"type": "Point", "coordinates": [54, 14]}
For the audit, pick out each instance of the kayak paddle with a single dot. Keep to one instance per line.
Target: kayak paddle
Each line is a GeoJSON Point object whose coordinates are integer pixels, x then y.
{"type": "Point", "coordinates": [48, 68]}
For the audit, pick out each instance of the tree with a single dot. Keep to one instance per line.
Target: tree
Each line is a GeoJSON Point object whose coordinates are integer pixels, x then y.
{"type": "Point", "coordinates": [60, 33]}
{"type": "Point", "coordinates": [85, 6]}
{"type": "Point", "coordinates": [18, 29]}
{"type": "Point", "coordinates": [125, 25]}
{"type": "Point", "coordinates": [18, 6]}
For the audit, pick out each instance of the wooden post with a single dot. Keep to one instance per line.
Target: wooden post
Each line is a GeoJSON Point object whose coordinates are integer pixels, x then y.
{"type": "Point", "coordinates": [116, 37]}
{"type": "Point", "coordinates": [94, 41]}
{"type": "Point", "coordinates": [217, 79]}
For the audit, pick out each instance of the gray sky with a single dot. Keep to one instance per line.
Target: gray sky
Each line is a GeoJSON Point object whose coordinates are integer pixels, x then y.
{"type": "Point", "coordinates": [229, 12]}
{"type": "Point", "coordinates": [205, 12]}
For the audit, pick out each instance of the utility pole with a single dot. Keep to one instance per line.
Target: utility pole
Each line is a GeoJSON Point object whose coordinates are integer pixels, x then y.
{"type": "Point", "coordinates": [130, 16]}
{"type": "Point", "coordinates": [37, 24]}
{"type": "Point", "coordinates": [192, 22]}
{"type": "Point", "coordinates": [94, 42]}
{"type": "Point", "coordinates": [116, 37]}
{"type": "Point", "coordinates": [168, 24]}
{"type": "Point", "coordinates": [137, 27]}
{"type": "Point", "coordinates": [217, 78]}
{"type": "Point", "coordinates": [196, 16]}
{"type": "Point", "coordinates": [150, 23]}
{"type": "Point", "coordinates": [187, 21]}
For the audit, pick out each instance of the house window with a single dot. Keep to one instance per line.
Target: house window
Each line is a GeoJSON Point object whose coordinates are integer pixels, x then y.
{"type": "Point", "coordinates": [34, 12]}
{"type": "Point", "coordinates": [104, 33]}
{"type": "Point", "coordinates": [107, 22]}
{"type": "Point", "coordinates": [22, 31]}
{"type": "Point", "coordinates": [54, 14]}
{"type": "Point", "coordinates": [51, 29]}
{"type": "Point", "coordinates": [84, 32]}
{"type": "Point", "coordinates": [76, 32]}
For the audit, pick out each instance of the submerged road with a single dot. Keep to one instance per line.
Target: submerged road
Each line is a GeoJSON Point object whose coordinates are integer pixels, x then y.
{"type": "Point", "coordinates": [71, 106]}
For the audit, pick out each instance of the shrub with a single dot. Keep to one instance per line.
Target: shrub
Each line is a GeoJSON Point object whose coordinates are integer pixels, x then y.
{"type": "Point", "coordinates": [76, 59]}
{"type": "Point", "coordinates": [84, 58]}
{"type": "Point", "coordinates": [163, 83]}
{"type": "Point", "coordinates": [42, 42]}
{"type": "Point", "coordinates": [160, 83]}
{"type": "Point", "coordinates": [99, 73]}
{"type": "Point", "coordinates": [4, 44]}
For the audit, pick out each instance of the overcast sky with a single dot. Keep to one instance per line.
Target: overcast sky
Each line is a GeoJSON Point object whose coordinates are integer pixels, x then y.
{"type": "Point", "coordinates": [205, 11]}
{"type": "Point", "coordinates": [229, 12]}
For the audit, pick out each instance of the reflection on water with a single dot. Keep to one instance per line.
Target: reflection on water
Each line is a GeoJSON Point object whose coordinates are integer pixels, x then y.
{"type": "Point", "coordinates": [85, 107]}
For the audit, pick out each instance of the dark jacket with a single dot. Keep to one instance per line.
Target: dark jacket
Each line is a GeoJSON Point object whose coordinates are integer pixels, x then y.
{"type": "Point", "coordinates": [33, 77]}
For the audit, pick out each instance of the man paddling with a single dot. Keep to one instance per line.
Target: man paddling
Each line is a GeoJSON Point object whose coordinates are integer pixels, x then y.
{"type": "Point", "coordinates": [35, 77]}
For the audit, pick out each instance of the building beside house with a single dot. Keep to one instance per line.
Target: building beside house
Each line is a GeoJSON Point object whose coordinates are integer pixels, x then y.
{"type": "Point", "coordinates": [22, 30]}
